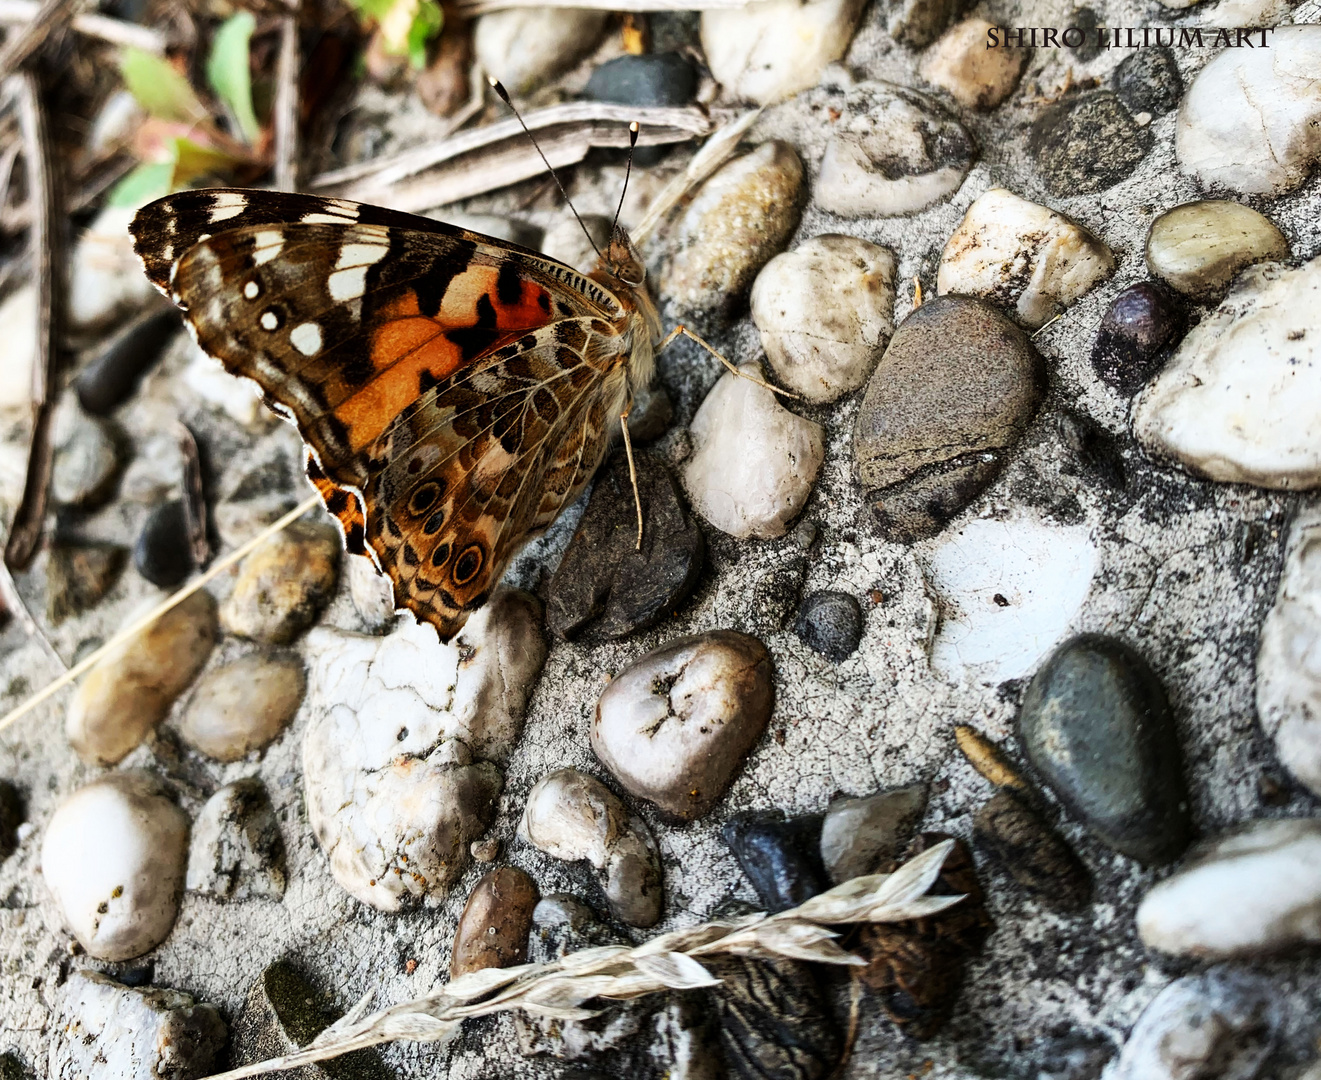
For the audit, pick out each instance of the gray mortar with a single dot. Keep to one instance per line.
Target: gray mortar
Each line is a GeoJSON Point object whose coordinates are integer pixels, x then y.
{"type": "Point", "coordinates": [880, 719]}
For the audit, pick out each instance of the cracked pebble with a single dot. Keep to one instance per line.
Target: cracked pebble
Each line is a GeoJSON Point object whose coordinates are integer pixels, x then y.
{"type": "Point", "coordinates": [236, 851]}
{"type": "Point", "coordinates": [283, 585]}
{"type": "Point", "coordinates": [495, 922]}
{"type": "Point", "coordinates": [242, 706]}
{"type": "Point", "coordinates": [674, 726]}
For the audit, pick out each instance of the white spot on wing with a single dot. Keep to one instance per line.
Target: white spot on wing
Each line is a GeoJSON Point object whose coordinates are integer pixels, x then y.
{"type": "Point", "coordinates": [318, 218]}
{"type": "Point", "coordinates": [306, 338]}
{"type": "Point", "coordinates": [267, 246]}
{"type": "Point", "coordinates": [225, 205]}
{"type": "Point", "coordinates": [351, 255]}
{"type": "Point", "coordinates": [252, 290]}
{"type": "Point", "coordinates": [347, 284]}
{"type": "Point", "coordinates": [269, 320]}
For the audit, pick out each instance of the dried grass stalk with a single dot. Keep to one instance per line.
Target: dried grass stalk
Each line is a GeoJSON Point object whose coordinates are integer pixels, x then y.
{"type": "Point", "coordinates": [89, 24]}
{"type": "Point", "coordinates": [561, 989]}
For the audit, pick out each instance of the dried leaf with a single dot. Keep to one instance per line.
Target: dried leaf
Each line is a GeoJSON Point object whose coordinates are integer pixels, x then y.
{"type": "Point", "coordinates": [159, 89]}
{"type": "Point", "coordinates": [675, 970]}
{"type": "Point", "coordinates": [601, 955]}
{"type": "Point", "coordinates": [803, 941]}
{"type": "Point", "coordinates": [479, 983]}
{"type": "Point", "coordinates": [229, 73]}
{"type": "Point", "coordinates": [556, 1012]}
{"type": "Point", "coordinates": [915, 877]}
{"type": "Point", "coordinates": [920, 908]}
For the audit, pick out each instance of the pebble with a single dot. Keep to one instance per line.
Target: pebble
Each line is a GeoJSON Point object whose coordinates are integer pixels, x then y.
{"type": "Point", "coordinates": [652, 414]}
{"type": "Point", "coordinates": [1252, 892]}
{"type": "Point", "coordinates": [737, 220]}
{"type": "Point", "coordinates": [106, 281]}
{"type": "Point", "coordinates": [568, 242]}
{"type": "Point", "coordinates": [651, 79]}
{"type": "Point", "coordinates": [859, 835]}
{"type": "Point", "coordinates": [674, 726]}
{"type": "Point", "coordinates": [162, 553]}
{"type": "Point", "coordinates": [1147, 81]}
{"type": "Point", "coordinates": [1239, 399]}
{"type": "Point", "coordinates": [1075, 1055]}
{"type": "Point", "coordinates": [781, 858]}
{"type": "Point", "coordinates": [485, 850]}
{"type": "Point", "coordinates": [825, 312]}
{"type": "Point", "coordinates": [18, 330]}
{"type": "Point", "coordinates": [563, 924]}
{"type": "Point", "coordinates": [1198, 248]}
{"type": "Point", "coordinates": [494, 926]}
{"type": "Point", "coordinates": [131, 688]}
{"type": "Point", "coordinates": [1022, 256]}
{"type": "Point", "coordinates": [953, 393]}
{"type": "Point", "coordinates": [775, 1023]}
{"type": "Point", "coordinates": [12, 814]}
{"type": "Point", "coordinates": [12, 1068]}
{"type": "Point", "coordinates": [917, 23]}
{"type": "Point", "coordinates": [1136, 334]}
{"type": "Point", "coordinates": [1223, 136]}
{"type": "Point", "coordinates": [1087, 143]}
{"type": "Point", "coordinates": [1032, 853]}
{"type": "Point", "coordinates": [603, 579]}
{"type": "Point", "coordinates": [114, 1032]}
{"type": "Point", "coordinates": [573, 816]}
{"type": "Point", "coordinates": [894, 151]}
{"type": "Point", "coordinates": [527, 47]}
{"type": "Point", "coordinates": [79, 575]}
{"type": "Point", "coordinates": [111, 377]}
{"type": "Point", "coordinates": [87, 462]}
{"type": "Point", "coordinates": [283, 585]}
{"type": "Point", "coordinates": [236, 851]}
{"type": "Point", "coordinates": [239, 399]}
{"type": "Point", "coordinates": [393, 792]}
{"type": "Point", "coordinates": [243, 705]}
{"type": "Point", "coordinates": [754, 462]}
{"type": "Point", "coordinates": [975, 76]}
{"type": "Point", "coordinates": [1289, 656]}
{"type": "Point", "coordinates": [1097, 728]}
{"type": "Point", "coordinates": [113, 857]}
{"type": "Point", "coordinates": [371, 592]}
{"type": "Point", "coordinates": [831, 624]}
{"type": "Point", "coordinates": [1219, 1024]}
{"type": "Point", "coordinates": [767, 52]}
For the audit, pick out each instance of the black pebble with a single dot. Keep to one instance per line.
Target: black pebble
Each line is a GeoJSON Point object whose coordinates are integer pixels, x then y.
{"type": "Point", "coordinates": [782, 859]}
{"type": "Point", "coordinates": [11, 1068]}
{"type": "Point", "coordinates": [162, 554]}
{"type": "Point", "coordinates": [651, 79]}
{"type": "Point", "coordinates": [12, 816]}
{"type": "Point", "coordinates": [1148, 81]}
{"type": "Point", "coordinates": [830, 623]}
{"type": "Point", "coordinates": [1087, 143]}
{"type": "Point", "coordinates": [1137, 331]}
{"type": "Point", "coordinates": [112, 375]}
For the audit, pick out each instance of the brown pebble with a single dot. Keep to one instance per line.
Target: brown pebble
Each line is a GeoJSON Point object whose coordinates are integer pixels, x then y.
{"type": "Point", "coordinates": [495, 923]}
{"type": "Point", "coordinates": [1032, 853]}
{"type": "Point", "coordinates": [987, 758]}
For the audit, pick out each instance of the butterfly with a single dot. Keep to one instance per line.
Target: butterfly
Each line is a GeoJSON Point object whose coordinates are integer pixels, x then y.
{"type": "Point", "coordinates": [455, 392]}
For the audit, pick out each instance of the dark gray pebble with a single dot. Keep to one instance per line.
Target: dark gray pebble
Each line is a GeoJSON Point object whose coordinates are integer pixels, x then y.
{"type": "Point", "coordinates": [1137, 332]}
{"type": "Point", "coordinates": [782, 859]}
{"type": "Point", "coordinates": [651, 79]}
{"type": "Point", "coordinates": [12, 815]}
{"type": "Point", "coordinates": [112, 375]}
{"type": "Point", "coordinates": [1087, 143]}
{"type": "Point", "coordinates": [830, 623]}
{"type": "Point", "coordinates": [1086, 20]}
{"type": "Point", "coordinates": [1147, 80]}
{"type": "Point", "coordinates": [11, 1068]}
{"type": "Point", "coordinates": [162, 554]}
{"type": "Point", "coordinates": [1096, 726]}
{"type": "Point", "coordinates": [1092, 450]}
{"type": "Point", "coordinates": [1077, 1055]}
{"type": "Point", "coordinates": [79, 575]}
{"type": "Point", "coordinates": [1032, 853]}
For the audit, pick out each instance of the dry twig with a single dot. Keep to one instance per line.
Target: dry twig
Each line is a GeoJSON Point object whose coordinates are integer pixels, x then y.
{"type": "Point", "coordinates": [285, 112]}
{"type": "Point", "coordinates": [25, 39]}
{"type": "Point", "coordinates": [102, 27]}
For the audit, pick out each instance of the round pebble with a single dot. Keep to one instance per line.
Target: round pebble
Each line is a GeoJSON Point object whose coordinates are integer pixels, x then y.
{"type": "Point", "coordinates": [1198, 248]}
{"type": "Point", "coordinates": [1096, 726]}
{"type": "Point", "coordinates": [825, 312]}
{"type": "Point", "coordinates": [1136, 331]}
{"type": "Point", "coordinates": [163, 554]}
{"type": "Point", "coordinates": [674, 726]}
{"type": "Point", "coordinates": [87, 463]}
{"type": "Point", "coordinates": [860, 835]}
{"type": "Point", "coordinates": [283, 585]}
{"type": "Point", "coordinates": [1147, 81]}
{"type": "Point", "coordinates": [830, 623]}
{"type": "Point", "coordinates": [495, 922]}
{"type": "Point", "coordinates": [243, 705]}
{"type": "Point", "coordinates": [79, 575]}
{"type": "Point", "coordinates": [113, 857]}
{"type": "Point", "coordinates": [976, 77]}
{"type": "Point", "coordinates": [782, 859]}
{"type": "Point", "coordinates": [111, 377]}
{"type": "Point", "coordinates": [1031, 852]}
{"type": "Point", "coordinates": [1087, 143]}
{"type": "Point", "coordinates": [527, 47]}
{"type": "Point", "coordinates": [651, 79]}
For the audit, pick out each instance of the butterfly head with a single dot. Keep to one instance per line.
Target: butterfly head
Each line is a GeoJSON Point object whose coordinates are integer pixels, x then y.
{"type": "Point", "coordinates": [621, 260]}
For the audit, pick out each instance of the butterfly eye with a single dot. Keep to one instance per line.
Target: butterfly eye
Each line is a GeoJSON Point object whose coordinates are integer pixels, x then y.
{"type": "Point", "coordinates": [423, 498]}
{"type": "Point", "coordinates": [440, 556]}
{"type": "Point", "coordinates": [468, 565]}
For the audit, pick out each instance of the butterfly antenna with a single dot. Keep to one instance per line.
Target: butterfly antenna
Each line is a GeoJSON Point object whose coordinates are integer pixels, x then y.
{"type": "Point", "coordinates": [499, 88]}
{"type": "Point", "coordinates": [628, 171]}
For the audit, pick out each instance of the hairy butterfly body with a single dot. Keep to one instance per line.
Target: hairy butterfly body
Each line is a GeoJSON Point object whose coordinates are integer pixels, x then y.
{"type": "Point", "coordinates": [455, 392]}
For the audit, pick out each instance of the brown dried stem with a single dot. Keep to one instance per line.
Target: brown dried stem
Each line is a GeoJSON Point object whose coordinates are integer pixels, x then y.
{"type": "Point", "coordinates": [285, 113]}
{"type": "Point", "coordinates": [24, 40]}
{"type": "Point", "coordinates": [103, 27]}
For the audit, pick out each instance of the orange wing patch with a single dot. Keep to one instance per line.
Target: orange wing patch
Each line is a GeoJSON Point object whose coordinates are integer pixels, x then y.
{"type": "Point", "coordinates": [343, 505]}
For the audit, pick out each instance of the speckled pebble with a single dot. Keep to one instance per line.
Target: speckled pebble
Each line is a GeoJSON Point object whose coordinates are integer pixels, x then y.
{"type": "Point", "coordinates": [1087, 143]}
{"type": "Point", "coordinates": [79, 575]}
{"type": "Point", "coordinates": [782, 859]}
{"type": "Point", "coordinates": [830, 623]}
{"type": "Point", "coordinates": [1199, 247]}
{"type": "Point", "coordinates": [162, 553]}
{"type": "Point", "coordinates": [494, 925]}
{"type": "Point", "coordinates": [236, 851]}
{"type": "Point", "coordinates": [283, 584]}
{"type": "Point", "coordinates": [243, 705]}
{"type": "Point", "coordinates": [977, 77]}
{"type": "Point", "coordinates": [1137, 331]}
{"type": "Point", "coordinates": [1147, 81]}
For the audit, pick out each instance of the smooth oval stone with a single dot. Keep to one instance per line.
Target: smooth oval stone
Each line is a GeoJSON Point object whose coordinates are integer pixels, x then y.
{"type": "Point", "coordinates": [1032, 853]}
{"type": "Point", "coordinates": [650, 79]}
{"type": "Point", "coordinates": [954, 391]}
{"type": "Point", "coordinates": [976, 76]}
{"type": "Point", "coordinates": [831, 624]}
{"type": "Point", "coordinates": [242, 706]}
{"type": "Point", "coordinates": [1087, 143]}
{"type": "Point", "coordinates": [113, 374]}
{"type": "Point", "coordinates": [493, 928]}
{"type": "Point", "coordinates": [162, 553]}
{"type": "Point", "coordinates": [1096, 726]}
{"type": "Point", "coordinates": [1199, 247]}
{"type": "Point", "coordinates": [1147, 81]}
{"type": "Point", "coordinates": [859, 835]}
{"type": "Point", "coordinates": [1136, 332]}
{"type": "Point", "coordinates": [283, 585]}
{"type": "Point", "coordinates": [528, 47]}
{"type": "Point", "coordinates": [782, 859]}
{"type": "Point", "coordinates": [87, 464]}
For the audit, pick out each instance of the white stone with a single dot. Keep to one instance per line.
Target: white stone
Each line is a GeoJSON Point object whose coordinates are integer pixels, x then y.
{"type": "Point", "coordinates": [567, 242]}
{"type": "Point", "coordinates": [1044, 573]}
{"type": "Point", "coordinates": [18, 353]}
{"type": "Point", "coordinates": [977, 77]}
{"type": "Point", "coordinates": [237, 398]}
{"type": "Point", "coordinates": [113, 857]}
{"type": "Point", "coordinates": [1251, 120]}
{"type": "Point", "coordinates": [1219, 1025]}
{"type": "Point", "coordinates": [243, 705]}
{"type": "Point", "coordinates": [754, 462]}
{"type": "Point", "coordinates": [1255, 890]}
{"type": "Point", "coordinates": [893, 152]}
{"type": "Point", "coordinates": [1022, 256]}
{"type": "Point", "coordinates": [1239, 400]}
{"type": "Point", "coordinates": [1236, 13]}
{"type": "Point", "coordinates": [371, 592]}
{"type": "Point", "coordinates": [106, 279]}
{"type": "Point", "coordinates": [108, 1031]}
{"type": "Point", "coordinates": [825, 312]}
{"type": "Point", "coordinates": [526, 47]}
{"type": "Point", "coordinates": [573, 816]}
{"type": "Point", "coordinates": [236, 851]}
{"type": "Point", "coordinates": [393, 792]}
{"type": "Point", "coordinates": [1289, 657]}
{"type": "Point", "coordinates": [766, 52]}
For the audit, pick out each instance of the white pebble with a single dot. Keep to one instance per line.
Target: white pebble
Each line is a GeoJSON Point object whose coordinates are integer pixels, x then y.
{"type": "Point", "coordinates": [526, 47]}
{"type": "Point", "coordinates": [977, 77]}
{"type": "Point", "coordinates": [106, 281]}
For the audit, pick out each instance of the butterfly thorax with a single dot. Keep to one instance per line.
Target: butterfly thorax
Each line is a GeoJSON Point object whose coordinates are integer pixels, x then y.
{"type": "Point", "coordinates": [621, 270]}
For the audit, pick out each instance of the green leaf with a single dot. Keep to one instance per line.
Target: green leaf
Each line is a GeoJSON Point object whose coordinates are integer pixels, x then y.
{"type": "Point", "coordinates": [228, 71]}
{"type": "Point", "coordinates": [192, 161]}
{"type": "Point", "coordinates": [158, 88]}
{"type": "Point", "coordinates": [148, 181]}
{"type": "Point", "coordinates": [426, 24]}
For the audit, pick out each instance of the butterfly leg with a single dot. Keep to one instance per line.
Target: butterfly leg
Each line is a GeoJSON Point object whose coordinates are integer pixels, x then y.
{"type": "Point", "coordinates": [632, 469]}
{"type": "Point", "coordinates": [685, 332]}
